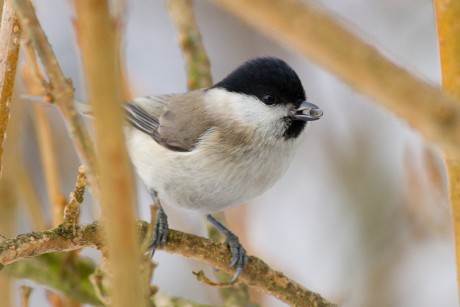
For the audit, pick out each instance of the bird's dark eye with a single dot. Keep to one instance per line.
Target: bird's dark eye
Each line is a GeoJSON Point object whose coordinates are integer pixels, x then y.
{"type": "Point", "coordinates": [268, 99]}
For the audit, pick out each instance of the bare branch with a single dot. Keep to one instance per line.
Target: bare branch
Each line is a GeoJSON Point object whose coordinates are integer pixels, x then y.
{"type": "Point", "coordinates": [98, 37]}
{"type": "Point", "coordinates": [258, 274]}
{"type": "Point", "coordinates": [447, 15]}
{"type": "Point", "coordinates": [10, 34]}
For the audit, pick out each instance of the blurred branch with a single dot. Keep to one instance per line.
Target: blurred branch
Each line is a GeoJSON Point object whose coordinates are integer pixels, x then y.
{"type": "Point", "coordinates": [318, 35]}
{"type": "Point", "coordinates": [48, 270]}
{"type": "Point", "coordinates": [36, 85]}
{"type": "Point", "coordinates": [61, 88]}
{"type": "Point", "coordinates": [28, 193]}
{"type": "Point", "coordinates": [447, 16]}
{"type": "Point", "coordinates": [98, 36]}
{"type": "Point", "coordinates": [258, 274]}
{"type": "Point", "coordinates": [163, 300]}
{"type": "Point", "coordinates": [10, 34]}
{"type": "Point", "coordinates": [25, 292]}
{"type": "Point", "coordinates": [189, 37]}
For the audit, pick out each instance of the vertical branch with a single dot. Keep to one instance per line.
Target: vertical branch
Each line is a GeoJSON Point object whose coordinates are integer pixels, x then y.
{"type": "Point", "coordinates": [10, 34]}
{"type": "Point", "coordinates": [49, 163]}
{"type": "Point", "coordinates": [97, 36]}
{"type": "Point", "coordinates": [62, 89]}
{"type": "Point", "coordinates": [189, 37]}
{"type": "Point", "coordinates": [447, 17]}
{"type": "Point", "coordinates": [36, 85]}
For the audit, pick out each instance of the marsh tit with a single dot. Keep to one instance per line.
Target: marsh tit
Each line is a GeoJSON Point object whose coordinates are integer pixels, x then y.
{"type": "Point", "coordinates": [210, 149]}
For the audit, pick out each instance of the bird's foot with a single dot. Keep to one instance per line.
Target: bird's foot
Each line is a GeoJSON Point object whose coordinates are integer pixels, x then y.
{"type": "Point", "coordinates": [239, 258]}
{"type": "Point", "coordinates": [160, 232]}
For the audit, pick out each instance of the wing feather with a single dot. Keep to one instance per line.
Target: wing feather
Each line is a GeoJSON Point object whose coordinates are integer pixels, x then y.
{"type": "Point", "coordinates": [174, 121]}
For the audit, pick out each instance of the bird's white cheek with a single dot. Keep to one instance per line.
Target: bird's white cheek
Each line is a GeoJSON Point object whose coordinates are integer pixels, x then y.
{"type": "Point", "coordinates": [246, 111]}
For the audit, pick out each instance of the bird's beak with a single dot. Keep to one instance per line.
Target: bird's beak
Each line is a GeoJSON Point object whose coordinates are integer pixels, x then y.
{"type": "Point", "coordinates": [308, 112]}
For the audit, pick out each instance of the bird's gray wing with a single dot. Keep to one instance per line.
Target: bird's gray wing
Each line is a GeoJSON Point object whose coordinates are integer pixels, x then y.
{"type": "Point", "coordinates": [174, 121]}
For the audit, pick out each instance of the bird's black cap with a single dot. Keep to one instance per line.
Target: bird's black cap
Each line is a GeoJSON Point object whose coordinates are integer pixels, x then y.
{"type": "Point", "coordinates": [265, 76]}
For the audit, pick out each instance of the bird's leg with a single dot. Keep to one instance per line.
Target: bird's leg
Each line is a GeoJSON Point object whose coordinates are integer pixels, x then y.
{"type": "Point", "coordinates": [239, 256]}
{"type": "Point", "coordinates": [160, 233]}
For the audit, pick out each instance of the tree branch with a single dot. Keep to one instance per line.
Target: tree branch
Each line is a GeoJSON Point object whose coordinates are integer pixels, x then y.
{"type": "Point", "coordinates": [69, 237]}
{"type": "Point", "coordinates": [189, 37]}
{"type": "Point", "coordinates": [98, 38]}
{"type": "Point", "coordinates": [447, 15]}
{"type": "Point", "coordinates": [10, 34]}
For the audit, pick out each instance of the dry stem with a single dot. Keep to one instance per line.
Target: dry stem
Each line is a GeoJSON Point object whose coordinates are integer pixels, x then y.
{"type": "Point", "coordinates": [10, 34]}
{"type": "Point", "coordinates": [97, 34]}
{"type": "Point", "coordinates": [448, 14]}
{"type": "Point", "coordinates": [258, 274]}
{"type": "Point", "coordinates": [36, 85]}
{"type": "Point", "coordinates": [319, 36]}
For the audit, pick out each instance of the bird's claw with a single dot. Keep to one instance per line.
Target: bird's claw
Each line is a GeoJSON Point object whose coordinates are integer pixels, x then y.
{"type": "Point", "coordinates": [239, 258]}
{"type": "Point", "coordinates": [160, 233]}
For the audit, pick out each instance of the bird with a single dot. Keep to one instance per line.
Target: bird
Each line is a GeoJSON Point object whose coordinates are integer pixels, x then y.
{"type": "Point", "coordinates": [209, 149]}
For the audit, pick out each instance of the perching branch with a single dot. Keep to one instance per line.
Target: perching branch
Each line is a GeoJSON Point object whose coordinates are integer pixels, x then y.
{"type": "Point", "coordinates": [62, 91]}
{"type": "Point", "coordinates": [10, 34]}
{"type": "Point", "coordinates": [317, 35]}
{"type": "Point", "coordinates": [258, 274]}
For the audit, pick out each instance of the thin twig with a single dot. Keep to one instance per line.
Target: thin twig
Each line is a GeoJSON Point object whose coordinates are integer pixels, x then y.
{"type": "Point", "coordinates": [25, 291]}
{"type": "Point", "coordinates": [98, 37]}
{"type": "Point", "coordinates": [62, 89]}
{"type": "Point", "coordinates": [36, 85]}
{"type": "Point", "coordinates": [258, 274]}
{"type": "Point", "coordinates": [29, 194]}
{"type": "Point", "coordinates": [72, 209]}
{"type": "Point", "coordinates": [317, 35]}
{"type": "Point", "coordinates": [10, 34]}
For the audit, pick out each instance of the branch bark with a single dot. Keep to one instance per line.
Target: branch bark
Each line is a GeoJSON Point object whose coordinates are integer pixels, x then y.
{"type": "Point", "coordinates": [10, 35]}
{"type": "Point", "coordinates": [69, 237]}
{"type": "Point", "coordinates": [317, 35]}
{"type": "Point", "coordinates": [98, 34]}
{"type": "Point", "coordinates": [447, 15]}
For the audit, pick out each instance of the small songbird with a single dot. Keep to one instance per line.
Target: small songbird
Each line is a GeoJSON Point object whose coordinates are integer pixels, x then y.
{"type": "Point", "coordinates": [209, 149]}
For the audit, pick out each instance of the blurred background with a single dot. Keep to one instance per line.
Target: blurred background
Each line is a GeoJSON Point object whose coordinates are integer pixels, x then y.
{"type": "Point", "coordinates": [361, 216]}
